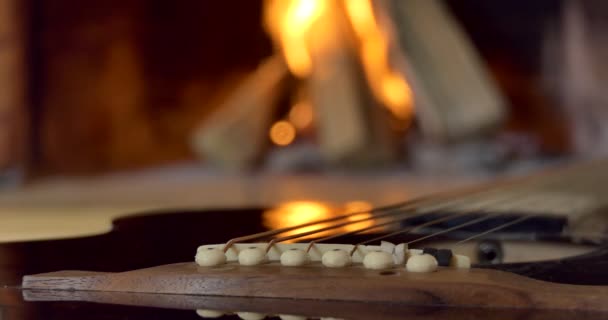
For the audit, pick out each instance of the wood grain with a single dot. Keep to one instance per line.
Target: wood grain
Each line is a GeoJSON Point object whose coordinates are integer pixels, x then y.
{"type": "Point", "coordinates": [308, 308]}
{"type": "Point", "coordinates": [447, 287]}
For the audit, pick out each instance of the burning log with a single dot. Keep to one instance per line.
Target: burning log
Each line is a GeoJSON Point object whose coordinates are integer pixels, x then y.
{"type": "Point", "coordinates": [455, 96]}
{"type": "Point", "coordinates": [352, 129]}
{"type": "Point", "coordinates": [351, 69]}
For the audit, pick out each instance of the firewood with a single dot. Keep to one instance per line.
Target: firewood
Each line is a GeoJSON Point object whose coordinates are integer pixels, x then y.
{"type": "Point", "coordinates": [352, 128]}
{"type": "Point", "coordinates": [455, 96]}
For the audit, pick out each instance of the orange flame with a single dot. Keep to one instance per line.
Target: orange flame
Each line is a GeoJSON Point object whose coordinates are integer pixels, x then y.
{"type": "Point", "coordinates": [289, 21]}
{"type": "Point", "coordinates": [389, 87]}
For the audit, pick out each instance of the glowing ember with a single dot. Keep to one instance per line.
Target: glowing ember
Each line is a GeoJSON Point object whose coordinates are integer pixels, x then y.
{"type": "Point", "coordinates": [282, 133]}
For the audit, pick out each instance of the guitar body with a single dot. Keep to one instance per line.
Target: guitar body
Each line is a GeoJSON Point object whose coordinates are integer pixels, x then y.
{"type": "Point", "coordinates": [146, 263]}
{"type": "Point", "coordinates": [143, 241]}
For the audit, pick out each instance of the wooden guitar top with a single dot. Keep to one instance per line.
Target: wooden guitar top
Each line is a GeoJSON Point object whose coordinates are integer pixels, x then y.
{"type": "Point", "coordinates": [480, 288]}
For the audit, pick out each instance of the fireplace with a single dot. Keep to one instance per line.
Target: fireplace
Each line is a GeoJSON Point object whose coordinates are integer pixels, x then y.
{"type": "Point", "coordinates": [293, 85]}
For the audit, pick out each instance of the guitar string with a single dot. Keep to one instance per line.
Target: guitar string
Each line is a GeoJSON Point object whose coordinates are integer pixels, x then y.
{"type": "Point", "coordinates": [436, 221]}
{"type": "Point", "coordinates": [353, 232]}
{"type": "Point", "coordinates": [496, 187]}
{"type": "Point", "coordinates": [502, 226]}
{"type": "Point", "coordinates": [274, 232]}
{"type": "Point", "coordinates": [468, 223]}
{"type": "Point", "coordinates": [413, 228]}
{"type": "Point", "coordinates": [433, 210]}
{"type": "Point", "coordinates": [508, 224]}
{"type": "Point", "coordinates": [577, 185]}
{"type": "Point", "coordinates": [475, 221]}
{"type": "Point", "coordinates": [410, 229]}
{"type": "Point", "coordinates": [397, 217]}
{"type": "Point", "coordinates": [432, 222]}
{"type": "Point", "coordinates": [421, 212]}
{"type": "Point", "coordinates": [581, 181]}
{"type": "Point", "coordinates": [460, 226]}
{"type": "Point", "coordinates": [377, 212]}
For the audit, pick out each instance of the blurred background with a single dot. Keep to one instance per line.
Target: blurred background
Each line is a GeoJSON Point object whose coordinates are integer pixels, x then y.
{"type": "Point", "coordinates": [110, 106]}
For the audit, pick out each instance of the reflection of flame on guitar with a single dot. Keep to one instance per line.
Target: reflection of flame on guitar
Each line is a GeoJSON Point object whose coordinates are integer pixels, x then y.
{"type": "Point", "coordinates": [299, 212]}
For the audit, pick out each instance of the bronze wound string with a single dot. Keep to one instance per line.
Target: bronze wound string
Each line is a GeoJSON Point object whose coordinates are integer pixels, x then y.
{"type": "Point", "coordinates": [449, 205]}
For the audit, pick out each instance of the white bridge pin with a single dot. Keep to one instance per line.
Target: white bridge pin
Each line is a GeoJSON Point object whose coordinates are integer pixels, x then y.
{"type": "Point", "coordinates": [204, 313]}
{"type": "Point", "coordinates": [461, 262]}
{"type": "Point", "coordinates": [252, 256]}
{"type": "Point", "coordinates": [251, 315]}
{"type": "Point", "coordinates": [421, 263]}
{"type": "Point", "coordinates": [378, 260]}
{"type": "Point", "coordinates": [336, 258]}
{"type": "Point", "coordinates": [210, 257]}
{"type": "Point", "coordinates": [294, 257]}
{"type": "Point", "coordinates": [291, 317]}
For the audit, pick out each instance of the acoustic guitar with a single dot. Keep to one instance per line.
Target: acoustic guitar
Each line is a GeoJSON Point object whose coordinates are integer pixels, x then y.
{"type": "Point", "coordinates": [527, 248]}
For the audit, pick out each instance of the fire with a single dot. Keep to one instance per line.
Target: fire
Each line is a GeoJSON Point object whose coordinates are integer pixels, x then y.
{"type": "Point", "coordinates": [397, 95]}
{"type": "Point", "coordinates": [361, 14]}
{"type": "Point", "coordinates": [289, 21]}
{"type": "Point", "coordinates": [388, 87]}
